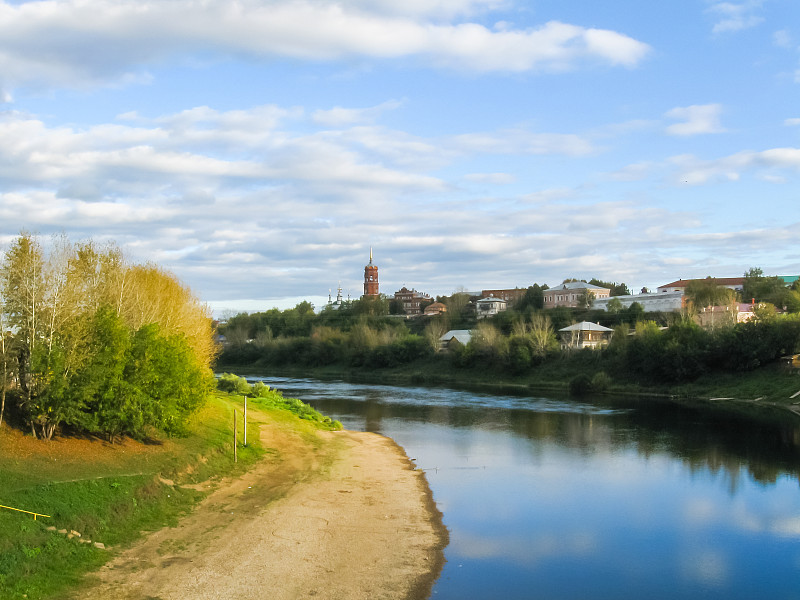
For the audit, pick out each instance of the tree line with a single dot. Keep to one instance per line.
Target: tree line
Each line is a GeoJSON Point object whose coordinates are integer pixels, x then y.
{"type": "Point", "coordinates": [93, 342]}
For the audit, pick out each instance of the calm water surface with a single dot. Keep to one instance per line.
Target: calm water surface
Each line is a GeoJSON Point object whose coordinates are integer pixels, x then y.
{"type": "Point", "coordinates": [557, 499]}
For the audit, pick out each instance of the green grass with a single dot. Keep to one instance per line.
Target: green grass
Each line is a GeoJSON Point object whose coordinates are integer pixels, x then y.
{"type": "Point", "coordinates": [109, 493]}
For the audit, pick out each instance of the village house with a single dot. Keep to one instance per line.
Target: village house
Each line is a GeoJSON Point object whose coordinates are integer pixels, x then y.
{"type": "Point", "coordinates": [571, 293]}
{"type": "Point", "coordinates": [584, 335]}
{"type": "Point", "coordinates": [410, 300]}
{"type": "Point", "coordinates": [488, 307]}
{"type": "Point", "coordinates": [454, 337]}
{"type": "Point", "coordinates": [437, 308]}
{"type": "Point", "coordinates": [510, 296]}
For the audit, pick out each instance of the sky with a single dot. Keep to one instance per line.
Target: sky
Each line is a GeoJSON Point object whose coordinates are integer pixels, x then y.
{"type": "Point", "coordinates": [259, 148]}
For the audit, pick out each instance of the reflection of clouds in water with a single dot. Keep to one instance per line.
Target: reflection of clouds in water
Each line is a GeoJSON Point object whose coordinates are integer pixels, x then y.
{"type": "Point", "coordinates": [708, 567]}
{"type": "Point", "coordinates": [700, 511]}
{"type": "Point", "coordinates": [786, 527]}
{"type": "Point", "coordinates": [523, 550]}
{"type": "Point", "coordinates": [703, 512]}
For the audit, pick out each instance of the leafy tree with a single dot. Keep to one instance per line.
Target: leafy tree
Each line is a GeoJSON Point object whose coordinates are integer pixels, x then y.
{"type": "Point", "coordinates": [165, 380]}
{"type": "Point", "coordinates": [486, 346]}
{"type": "Point", "coordinates": [371, 305]}
{"type": "Point", "coordinates": [533, 298]}
{"type": "Point", "coordinates": [434, 330]}
{"type": "Point", "coordinates": [760, 288]}
{"type": "Point", "coordinates": [707, 292]}
{"type": "Point", "coordinates": [585, 300]}
{"type": "Point", "coordinates": [765, 311]}
{"type": "Point", "coordinates": [614, 306]}
{"type": "Point", "coordinates": [102, 400]}
{"type": "Point", "coordinates": [542, 335]}
{"type": "Point", "coordinates": [793, 301]}
{"type": "Point", "coordinates": [6, 362]}
{"type": "Point", "coordinates": [617, 289]}
{"type": "Point", "coordinates": [22, 291]}
{"type": "Point", "coordinates": [67, 321]}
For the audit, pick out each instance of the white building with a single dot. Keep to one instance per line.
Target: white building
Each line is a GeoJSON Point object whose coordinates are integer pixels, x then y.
{"type": "Point", "coordinates": [657, 302]}
{"type": "Point", "coordinates": [486, 307]}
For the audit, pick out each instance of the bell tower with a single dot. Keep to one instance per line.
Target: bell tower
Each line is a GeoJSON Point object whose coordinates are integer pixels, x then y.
{"type": "Point", "coordinates": [371, 279]}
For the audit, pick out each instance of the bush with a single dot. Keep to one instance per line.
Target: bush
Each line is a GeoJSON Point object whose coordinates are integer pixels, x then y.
{"type": "Point", "coordinates": [233, 384]}
{"type": "Point", "coordinates": [601, 382]}
{"type": "Point", "coordinates": [580, 385]}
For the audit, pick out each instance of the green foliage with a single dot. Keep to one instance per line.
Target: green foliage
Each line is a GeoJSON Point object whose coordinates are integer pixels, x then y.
{"type": "Point", "coordinates": [759, 288]}
{"type": "Point", "coordinates": [533, 299]}
{"type": "Point", "coordinates": [617, 289]}
{"type": "Point", "coordinates": [89, 352]}
{"type": "Point", "coordinates": [265, 397]}
{"type": "Point", "coordinates": [601, 382]}
{"type": "Point", "coordinates": [667, 349]}
{"type": "Point", "coordinates": [706, 292]}
{"type": "Point", "coordinates": [233, 384]}
{"type": "Point", "coordinates": [580, 385]}
{"type": "Point", "coordinates": [614, 305]}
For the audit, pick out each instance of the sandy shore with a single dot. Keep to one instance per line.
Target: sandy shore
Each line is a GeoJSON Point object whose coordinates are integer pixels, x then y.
{"type": "Point", "coordinates": [343, 516]}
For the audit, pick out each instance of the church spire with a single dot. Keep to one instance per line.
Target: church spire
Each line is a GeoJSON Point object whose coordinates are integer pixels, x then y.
{"type": "Point", "coordinates": [371, 278]}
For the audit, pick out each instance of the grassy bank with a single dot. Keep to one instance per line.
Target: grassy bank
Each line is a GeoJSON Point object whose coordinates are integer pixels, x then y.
{"type": "Point", "coordinates": [111, 494]}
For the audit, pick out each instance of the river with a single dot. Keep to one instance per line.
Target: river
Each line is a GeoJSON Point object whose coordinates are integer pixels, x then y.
{"type": "Point", "coordinates": [595, 499]}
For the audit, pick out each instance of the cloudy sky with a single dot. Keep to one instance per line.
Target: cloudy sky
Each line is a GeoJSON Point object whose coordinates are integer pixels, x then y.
{"type": "Point", "coordinates": [259, 148]}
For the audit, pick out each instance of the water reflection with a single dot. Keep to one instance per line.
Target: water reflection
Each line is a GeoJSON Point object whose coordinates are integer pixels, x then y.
{"type": "Point", "coordinates": [700, 439]}
{"type": "Point", "coordinates": [550, 498]}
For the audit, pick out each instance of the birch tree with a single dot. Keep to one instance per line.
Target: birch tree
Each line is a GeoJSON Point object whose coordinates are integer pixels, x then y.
{"type": "Point", "coordinates": [22, 287]}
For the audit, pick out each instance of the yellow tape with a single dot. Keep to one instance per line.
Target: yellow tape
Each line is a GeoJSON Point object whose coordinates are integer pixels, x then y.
{"type": "Point", "coordinates": [35, 514]}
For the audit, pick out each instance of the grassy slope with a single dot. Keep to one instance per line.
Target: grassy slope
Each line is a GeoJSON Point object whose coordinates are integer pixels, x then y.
{"type": "Point", "coordinates": [108, 493]}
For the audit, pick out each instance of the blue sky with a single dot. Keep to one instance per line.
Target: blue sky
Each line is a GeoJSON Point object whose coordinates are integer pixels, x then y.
{"type": "Point", "coordinates": [258, 149]}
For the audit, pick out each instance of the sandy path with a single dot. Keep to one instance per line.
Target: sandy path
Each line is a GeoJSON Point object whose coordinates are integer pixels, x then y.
{"type": "Point", "coordinates": [352, 519]}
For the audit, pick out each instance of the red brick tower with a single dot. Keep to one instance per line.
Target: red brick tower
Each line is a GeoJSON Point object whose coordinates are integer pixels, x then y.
{"type": "Point", "coordinates": [371, 279]}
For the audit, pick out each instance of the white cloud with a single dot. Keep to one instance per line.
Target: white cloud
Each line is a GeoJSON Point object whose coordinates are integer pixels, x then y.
{"type": "Point", "coordinates": [496, 178]}
{"type": "Point", "coordinates": [339, 116]}
{"type": "Point", "coordinates": [634, 172]}
{"type": "Point", "coordinates": [513, 141]}
{"type": "Point", "coordinates": [792, 122]}
{"type": "Point", "coordinates": [734, 16]}
{"type": "Point", "coordinates": [268, 198]}
{"type": "Point", "coordinates": [783, 39]}
{"type": "Point", "coordinates": [696, 119]}
{"type": "Point", "coordinates": [54, 43]}
{"type": "Point", "coordinates": [427, 8]}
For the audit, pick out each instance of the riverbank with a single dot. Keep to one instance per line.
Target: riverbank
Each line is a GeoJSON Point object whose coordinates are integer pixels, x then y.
{"type": "Point", "coordinates": [771, 388]}
{"type": "Point", "coordinates": [329, 515]}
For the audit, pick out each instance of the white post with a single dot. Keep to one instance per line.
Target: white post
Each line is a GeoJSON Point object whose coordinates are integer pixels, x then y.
{"type": "Point", "coordinates": [245, 420]}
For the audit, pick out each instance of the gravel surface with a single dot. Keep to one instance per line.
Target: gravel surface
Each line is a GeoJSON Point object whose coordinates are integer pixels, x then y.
{"type": "Point", "coordinates": [342, 516]}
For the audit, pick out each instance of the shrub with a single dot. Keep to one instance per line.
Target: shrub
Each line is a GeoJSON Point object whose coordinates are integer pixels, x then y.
{"type": "Point", "coordinates": [233, 384]}
{"type": "Point", "coordinates": [601, 382]}
{"type": "Point", "coordinates": [580, 385]}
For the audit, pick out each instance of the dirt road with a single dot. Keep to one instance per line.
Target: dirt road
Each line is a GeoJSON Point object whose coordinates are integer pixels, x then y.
{"type": "Point", "coordinates": [342, 516]}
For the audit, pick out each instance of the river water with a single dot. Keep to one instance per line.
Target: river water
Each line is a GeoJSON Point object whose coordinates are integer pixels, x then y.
{"type": "Point", "coordinates": [594, 499]}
